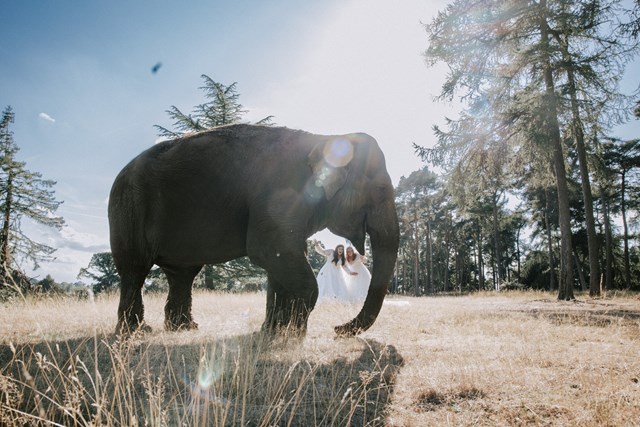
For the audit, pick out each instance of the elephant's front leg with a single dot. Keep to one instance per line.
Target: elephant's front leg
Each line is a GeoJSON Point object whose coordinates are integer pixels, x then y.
{"type": "Point", "coordinates": [291, 295]}
{"type": "Point", "coordinates": [177, 310]}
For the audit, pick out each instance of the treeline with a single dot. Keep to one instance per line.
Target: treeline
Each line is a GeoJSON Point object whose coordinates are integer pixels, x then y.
{"type": "Point", "coordinates": [454, 240]}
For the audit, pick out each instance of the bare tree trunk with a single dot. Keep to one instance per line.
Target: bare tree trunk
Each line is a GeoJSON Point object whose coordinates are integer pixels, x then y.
{"type": "Point", "coordinates": [429, 259]}
{"type": "Point", "coordinates": [496, 243]}
{"type": "Point", "coordinates": [416, 261]}
{"type": "Point", "coordinates": [475, 263]}
{"type": "Point", "coordinates": [446, 256]}
{"type": "Point", "coordinates": [578, 133]}
{"type": "Point", "coordinates": [608, 246]}
{"type": "Point", "coordinates": [547, 223]}
{"type": "Point", "coordinates": [565, 291]}
{"type": "Point", "coordinates": [404, 272]}
{"type": "Point", "coordinates": [4, 234]}
{"type": "Point", "coordinates": [583, 282]}
{"type": "Point", "coordinates": [518, 251]}
{"type": "Point", "coordinates": [623, 209]}
{"type": "Point", "coordinates": [480, 261]}
{"type": "Point", "coordinates": [459, 271]}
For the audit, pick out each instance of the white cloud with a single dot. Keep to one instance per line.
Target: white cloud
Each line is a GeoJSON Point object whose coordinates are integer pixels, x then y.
{"type": "Point", "coordinates": [46, 117]}
{"type": "Point", "coordinates": [74, 249]}
{"type": "Point", "coordinates": [84, 242]}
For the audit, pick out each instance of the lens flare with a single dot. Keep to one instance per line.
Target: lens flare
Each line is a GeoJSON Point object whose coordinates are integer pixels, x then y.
{"type": "Point", "coordinates": [338, 152]}
{"type": "Point", "coordinates": [313, 191]}
{"type": "Point", "coordinates": [208, 372]}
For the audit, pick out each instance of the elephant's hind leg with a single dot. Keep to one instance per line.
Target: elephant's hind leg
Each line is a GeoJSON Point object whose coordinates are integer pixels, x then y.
{"type": "Point", "coordinates": [131, 308]}
{"type": "Point", "coordinates": [177, 310]}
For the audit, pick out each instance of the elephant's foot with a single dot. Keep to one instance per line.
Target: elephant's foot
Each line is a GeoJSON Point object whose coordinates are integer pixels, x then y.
{"type": "Point", "coordinates": [344, 331]}
{"type": "Point", "coordinates": [349, 329]}
{"type": "Point", "coordinates": [132, 327]}
{"type": "Point", "coordinates": [283, 330]}
{"type": "Point", "coordinates": [178, 318]}
{"type": "Point", "coordinates": [284, 325]}
{"type": "Point", "coordinates": [180, 324]}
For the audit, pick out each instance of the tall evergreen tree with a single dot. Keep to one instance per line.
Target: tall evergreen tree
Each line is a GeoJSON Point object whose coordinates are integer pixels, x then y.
{"type": "Point", "coordinates": [221, 108]}
{"type": "Point", "coordinates": [552, 127]}
{"type": "Point", "coordinates": [592, 54]}
{"type": "Point", "coordinates": [622, 159]}
{"type": "Point", "coordinates": [23, 194]}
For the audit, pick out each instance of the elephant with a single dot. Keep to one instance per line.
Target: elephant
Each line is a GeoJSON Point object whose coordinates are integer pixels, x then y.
{"type": "Point", "coordinates": [257, 191]}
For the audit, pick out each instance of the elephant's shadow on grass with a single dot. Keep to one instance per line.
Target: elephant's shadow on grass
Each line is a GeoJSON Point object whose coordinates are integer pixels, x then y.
{"type": "Point", "coordinates": [240, 380]}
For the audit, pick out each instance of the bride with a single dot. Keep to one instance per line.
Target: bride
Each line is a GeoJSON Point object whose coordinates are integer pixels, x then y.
{"type": "Point", "coordinates": [358, 285]}
{"type": "Point", "coordinates": [332, 278]}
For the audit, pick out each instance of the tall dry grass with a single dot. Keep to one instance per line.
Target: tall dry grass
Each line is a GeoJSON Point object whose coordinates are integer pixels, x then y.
{"type": "Point", "coordinates": [508, 359]}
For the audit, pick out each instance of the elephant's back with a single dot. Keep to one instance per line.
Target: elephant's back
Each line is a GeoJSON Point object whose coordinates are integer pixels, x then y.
{"type": "Point", "coordinates": [236, 157]}
{"type": "Point", "coordinates": [233, 157]}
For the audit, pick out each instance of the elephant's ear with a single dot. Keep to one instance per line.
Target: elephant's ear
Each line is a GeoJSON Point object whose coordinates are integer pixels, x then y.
{"type": "Point", "coordinates": [327, 173]}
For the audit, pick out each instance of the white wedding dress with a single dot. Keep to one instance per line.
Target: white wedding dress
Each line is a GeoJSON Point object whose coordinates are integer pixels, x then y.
{"type": "Point", "coordinates": [358, 285]}
{"type": "Point", "coordinates": [332, 279]}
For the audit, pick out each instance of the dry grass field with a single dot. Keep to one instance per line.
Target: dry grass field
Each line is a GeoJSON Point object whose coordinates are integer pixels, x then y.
{"type": "Point", "coordinates": [509, 359]}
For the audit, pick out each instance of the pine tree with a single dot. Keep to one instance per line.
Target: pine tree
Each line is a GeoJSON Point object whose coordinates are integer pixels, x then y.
{"type": "Point", "coordinates": [23, 194]}
{"type": "Point", "coordinates": [222, 108]}
{"type": "Point", "coordinates": [102, 270]}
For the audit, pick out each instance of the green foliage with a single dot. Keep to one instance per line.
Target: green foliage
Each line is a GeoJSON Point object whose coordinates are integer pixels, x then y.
{"type": "Point", "coordinates": [48, 284]}
{"type": "Point", "coordinates": [236, 275]}
{"type": "Point", "coordinates": [535, 271]}
{"type": "Point", "coordinates": [426, 233]}
{"type": "Point", "coordinates": [222, 108]}
{"type": "Point", "coordinates": [316, 260]}
{"type": "Point", "coordinates": [156, 281]}
{"type": "Point", "coordinates": [102, 271]}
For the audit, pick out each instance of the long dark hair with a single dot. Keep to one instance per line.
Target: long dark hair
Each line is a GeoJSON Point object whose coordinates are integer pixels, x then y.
{"type": "Point", "coordinates": [353, 253]}
{"type": "Point", "coordinates": [336, 256]}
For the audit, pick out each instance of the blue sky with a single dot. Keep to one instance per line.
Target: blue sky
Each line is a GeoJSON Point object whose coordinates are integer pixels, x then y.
{"type": "Point", "coordinates": [78, 76]}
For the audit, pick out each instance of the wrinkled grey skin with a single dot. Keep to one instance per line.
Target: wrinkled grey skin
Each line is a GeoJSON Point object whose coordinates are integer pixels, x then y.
{"type": "Point", "coordinates": [250, 190]}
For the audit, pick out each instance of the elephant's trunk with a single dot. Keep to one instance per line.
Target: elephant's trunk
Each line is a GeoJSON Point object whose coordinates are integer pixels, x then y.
{"type": "Point", "coordinates": [384, 232]}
